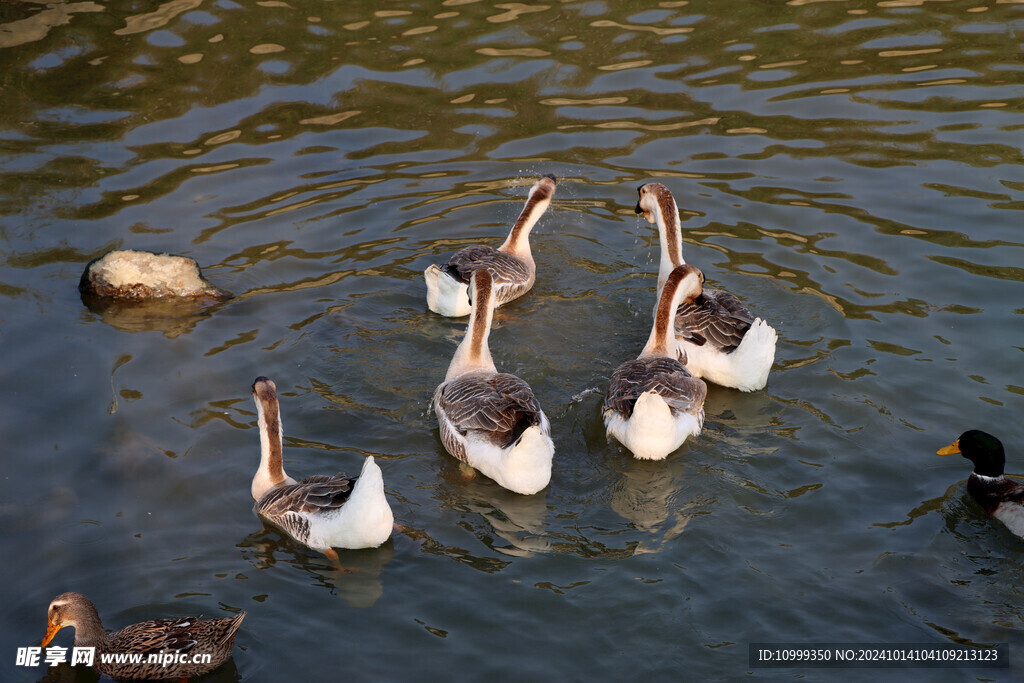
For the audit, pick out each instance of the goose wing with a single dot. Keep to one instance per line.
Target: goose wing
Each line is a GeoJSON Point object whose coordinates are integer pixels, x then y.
{"type": "Point", "coordinates": [506, 270]}
{"type": "Point", "coordinates": [312, 495]}
{"type": "Point", "coordinates": [716, 317]}
{"type": "Point", "coordinates": [498, 403]}
{"type": "Point", "coordinates": [668, 377]}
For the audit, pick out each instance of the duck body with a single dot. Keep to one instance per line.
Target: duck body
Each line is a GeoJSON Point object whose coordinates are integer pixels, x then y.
{"type": "Point", "coordinates": [654, 403]}
{"type": "Point", "coordinates": [322, 512]}
{"type": "Point", "coordinates": [492, 420]}
{"type": "Point", "coordinates": [719, 337]}
{"type": "Point", "coordinates": [1000, 497]}
{"type": "Point", "coordinates": [512, 266]}
{"type": "Point", "coordinates": [181, 636]}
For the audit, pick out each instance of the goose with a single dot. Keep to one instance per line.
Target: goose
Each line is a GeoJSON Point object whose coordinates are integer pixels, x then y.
{"type": "Point", "coordinates": [723, 342]}
{"type": "Point", "coordinates": [488, 419]}
{"type": "Point", "coordinates": [511, 264]}
{"type": "Point", "coordinates": [653, 403]}
{"type": "Point", "coordinates": [1000, 497]}
{"type": "Point", "coordinates": [185, 636]}
{"type": "Point", "coordinates": [323, 512]}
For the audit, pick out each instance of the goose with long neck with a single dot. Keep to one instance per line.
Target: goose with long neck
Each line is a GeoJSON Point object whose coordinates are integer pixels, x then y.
{"type": "Point", "coordinates": [654, 403]}
{"type": "Point", "coordinates": [722, 341]}
{"type": "Point", "coordinates": [511, 265]}
{"type": "Point", "coordinates": [186, 635]}
{"type": "Point", "coordinates": [323, 512]}
{"type": "Point", "coordinates": [491, 420]}
{"type": "Point", "coordinates": [1000, 497]}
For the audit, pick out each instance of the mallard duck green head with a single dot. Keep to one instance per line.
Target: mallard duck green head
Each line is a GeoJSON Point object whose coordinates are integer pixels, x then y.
{"type": "Point", "coordinates": [981, 448]}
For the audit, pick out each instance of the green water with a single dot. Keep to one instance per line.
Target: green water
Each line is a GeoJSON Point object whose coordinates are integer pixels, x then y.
{"type": "Point", "coordinates": [852, 170]}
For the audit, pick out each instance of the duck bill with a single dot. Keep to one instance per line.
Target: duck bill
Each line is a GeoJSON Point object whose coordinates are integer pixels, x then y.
{"type": "Point", "coordinates": [951, 449]}
{"type": "Point", "coordinates": [51, 631]}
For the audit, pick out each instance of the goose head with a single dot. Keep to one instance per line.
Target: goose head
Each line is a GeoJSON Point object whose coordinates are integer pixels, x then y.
{"type": "Point", "coordinates": [684, 283]}
{"type": "Point", "coordinates": [654, 198]}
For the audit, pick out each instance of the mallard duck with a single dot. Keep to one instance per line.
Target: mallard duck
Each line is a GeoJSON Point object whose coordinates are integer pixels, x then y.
{"type": "Point", "coordinates": [186, 636]}
{"type": "Point", "coordinates": [511, 264]}
{"type": "Point", "coordinates": [323, 512]}
{"type": "Point", "coordinates": [1001, 497]}
{"type": "Point", "coordinates": [488, 419]}
{"type": "Point", "coordinates": [723, 342]}
{"type": "Point", "coordinates": [654, 403]}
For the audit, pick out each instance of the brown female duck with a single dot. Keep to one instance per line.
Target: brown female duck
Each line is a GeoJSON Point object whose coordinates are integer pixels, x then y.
{"type": "Point", "coordinates": [210, 641]}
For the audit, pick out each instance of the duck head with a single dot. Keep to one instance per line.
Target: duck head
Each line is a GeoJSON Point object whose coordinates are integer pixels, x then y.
{"type": "Point", "coordinates": [981, 448]}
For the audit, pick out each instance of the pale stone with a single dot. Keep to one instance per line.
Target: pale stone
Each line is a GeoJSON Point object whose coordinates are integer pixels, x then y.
{"type": "Point", "coordinates": [142, 275]}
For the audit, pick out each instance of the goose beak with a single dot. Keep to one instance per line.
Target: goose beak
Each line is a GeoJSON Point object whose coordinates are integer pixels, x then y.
{"type": "Point", "coordinates": [51, 631]}
{"type": "Point", "coordinates": [638, 210]}
{"type": "Point", "coordinates": [951, 449]}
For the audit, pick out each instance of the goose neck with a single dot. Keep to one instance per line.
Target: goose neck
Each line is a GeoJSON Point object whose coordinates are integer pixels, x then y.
{"type": "Point", "coordinates": [271, 471]}
{"type": "Point", "coordinates": [473, 352]}
{"type": "Point", "coordinates": [662, 339]}
{"type": "Point", "coordinates": [518, 241]}
{"type": "Point", "coordinates": [669, 235]}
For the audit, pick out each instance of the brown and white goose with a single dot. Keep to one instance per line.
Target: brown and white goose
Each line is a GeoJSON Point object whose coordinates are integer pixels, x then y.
{"type": "Point", "coordinates": [323, 512]}
{"type": "Point", "coordinates": [511, 264]}
{"type": "Point", "coordinates": [653, 403]}
{"type": "Point", "coordinates": [488, 419]}
{"type": "Point", "coordinates": [723, 342]}
{"type": "Point", "coordinates": [184, 637]}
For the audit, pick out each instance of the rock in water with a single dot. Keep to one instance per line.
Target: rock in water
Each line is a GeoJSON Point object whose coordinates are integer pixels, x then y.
{"type": "Point", "coordinates": [142, 276]}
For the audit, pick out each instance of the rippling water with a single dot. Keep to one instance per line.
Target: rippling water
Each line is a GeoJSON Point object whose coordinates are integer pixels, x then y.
{"type": "Point", "coordinates": [853, 170]}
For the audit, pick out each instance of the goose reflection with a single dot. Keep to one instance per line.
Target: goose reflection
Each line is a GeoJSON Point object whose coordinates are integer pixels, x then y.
{"type": "Point", "coordinates": [504, 515]}
{"type": "Point", "coordinates": [358, 582]}
{"type": "Point", "coordinates": [489, 565]}
{"type": "Point", "coordinates": [647, 494]}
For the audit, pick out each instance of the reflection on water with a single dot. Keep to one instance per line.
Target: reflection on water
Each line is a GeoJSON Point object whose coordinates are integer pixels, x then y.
{"type": "Point", "coordinates": [171, 317]}
{"type": "Point", "coordinates": [358, 582]}
{"type": "Point", "coordinates": [508, 523]}
{"type": "Point", "coordinates": [644, 495]}
{"type": "Point", "coordinates": [853, 171]}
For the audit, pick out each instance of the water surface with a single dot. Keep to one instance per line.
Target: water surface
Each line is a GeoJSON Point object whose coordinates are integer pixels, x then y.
{"type": "Point", "coordinates": [852, 170]}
